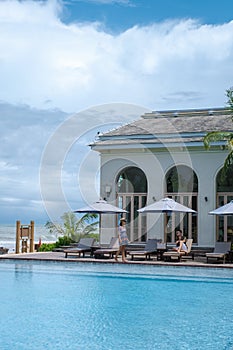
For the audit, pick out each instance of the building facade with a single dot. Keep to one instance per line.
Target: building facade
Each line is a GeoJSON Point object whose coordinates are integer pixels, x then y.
{"type": "Point", "coordinates": [162, 154]}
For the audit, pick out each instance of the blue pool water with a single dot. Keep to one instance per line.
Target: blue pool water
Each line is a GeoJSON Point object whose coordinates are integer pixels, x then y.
{"type": "Point", "coordinates": [57, 306]}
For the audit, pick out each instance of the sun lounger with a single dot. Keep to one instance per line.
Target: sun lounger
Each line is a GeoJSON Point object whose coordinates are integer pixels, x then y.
{"type": "Point", "coordinates": [220, 252]}
{"type": "Point", "coordinates": [110, 250]}
{"type": "Point", "coordinates": [170, 255]}
{"type": "Point", "coordinates": [3, 250]}
{"type": "Point", "coordinates": [84, 246]}
{"type": "Point", "coordinates": [150, 248]}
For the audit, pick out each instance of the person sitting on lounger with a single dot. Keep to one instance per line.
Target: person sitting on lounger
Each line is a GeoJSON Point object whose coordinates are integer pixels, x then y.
{"type": "Point", "coordinates": [182, 246]}
{"type": "Point", "coordinates": [178, 239]}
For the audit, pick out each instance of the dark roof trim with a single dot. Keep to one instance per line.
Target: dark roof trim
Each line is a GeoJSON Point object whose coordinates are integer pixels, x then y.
{"type": "Point", "coordinates": [152, 136]}
{"type": "Point", "coordinates": [187, 112]}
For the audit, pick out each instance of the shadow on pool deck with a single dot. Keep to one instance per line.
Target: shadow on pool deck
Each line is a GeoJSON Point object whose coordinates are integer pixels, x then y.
{"type": "Point", "coordinates": [60, 256]}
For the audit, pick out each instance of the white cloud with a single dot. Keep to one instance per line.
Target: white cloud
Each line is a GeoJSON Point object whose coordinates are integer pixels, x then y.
{"type": "Point", "coordinates": [107, 2]}
{"type": "Point", "coordinates": [46, 153]}
{"type": "Point", "coordinates": [69, 170]}
{"type": "Point", "coordinates": [46, 63]}
{"type": "Point", "coordinates": [7, 166]}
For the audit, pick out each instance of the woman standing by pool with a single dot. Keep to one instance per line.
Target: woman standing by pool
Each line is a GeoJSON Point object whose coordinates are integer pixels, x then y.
{"type": "Point", "coordinates": [123, 240]}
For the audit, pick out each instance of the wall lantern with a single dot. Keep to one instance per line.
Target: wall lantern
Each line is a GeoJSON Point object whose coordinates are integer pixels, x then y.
{"type": "Point", "coordinates": [108, 190]}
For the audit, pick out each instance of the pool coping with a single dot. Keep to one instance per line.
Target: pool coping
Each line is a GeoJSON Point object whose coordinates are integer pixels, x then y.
{"type": "Point", "coordinates": [60, 257]}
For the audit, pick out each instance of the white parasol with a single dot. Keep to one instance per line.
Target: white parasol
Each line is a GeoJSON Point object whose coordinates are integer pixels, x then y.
{"type": "Point", "coordinates": [226, 209]}
{"type": "Point", "coordinates": [166, 205]}
{"type": "Point", "coordinates": [101, 207]}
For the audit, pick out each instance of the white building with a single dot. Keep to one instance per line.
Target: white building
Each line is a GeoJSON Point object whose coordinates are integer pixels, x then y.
{"type": "Point", "coordinates": [162, 154]}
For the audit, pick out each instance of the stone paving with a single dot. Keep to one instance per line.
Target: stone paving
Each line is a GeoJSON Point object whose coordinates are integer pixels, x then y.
{"type": "Point", "coordinates": [60, 256]}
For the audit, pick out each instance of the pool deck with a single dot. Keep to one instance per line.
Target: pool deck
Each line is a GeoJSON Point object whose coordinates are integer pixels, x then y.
{"type": "Point", "coordinates": [60, 257]}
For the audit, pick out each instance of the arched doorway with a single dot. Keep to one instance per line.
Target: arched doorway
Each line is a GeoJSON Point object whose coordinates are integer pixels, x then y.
{"type": "Point", "coordinates": [182, 186]}
{"type": "Point", "coordinates": [131, 184]}
{"type": "Point", "coordinates": [224, 189]}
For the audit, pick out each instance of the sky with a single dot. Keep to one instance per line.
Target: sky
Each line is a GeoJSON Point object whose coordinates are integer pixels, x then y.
{"type": "Point", "coordinates": [72, 68]}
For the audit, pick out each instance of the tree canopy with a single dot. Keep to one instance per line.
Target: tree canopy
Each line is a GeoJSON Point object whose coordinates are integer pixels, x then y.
{"type": "Point", "coordinates": [214, 136]}
{"type": "Point", "coordinates": [73, 227]}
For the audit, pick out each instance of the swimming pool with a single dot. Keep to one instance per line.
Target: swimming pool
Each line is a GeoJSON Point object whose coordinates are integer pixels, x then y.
{"type": "Point", "coordinates": [58, 306]}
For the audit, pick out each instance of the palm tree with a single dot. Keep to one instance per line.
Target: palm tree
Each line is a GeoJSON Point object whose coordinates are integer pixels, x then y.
{"type": "Point", "coordinates": [223, 136]}
{"type": "Point", "coordinates": [74, 228]}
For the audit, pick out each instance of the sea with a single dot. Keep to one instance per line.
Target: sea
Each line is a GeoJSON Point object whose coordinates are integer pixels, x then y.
{"type": "Point", "coordinates": [8, 236]}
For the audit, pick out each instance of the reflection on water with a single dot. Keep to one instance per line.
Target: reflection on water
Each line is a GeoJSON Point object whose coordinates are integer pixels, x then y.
{"type": "Point", "coordinates": [23, 272]}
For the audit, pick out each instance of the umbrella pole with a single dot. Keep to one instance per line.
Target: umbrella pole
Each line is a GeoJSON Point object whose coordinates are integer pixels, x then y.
{"type": "Point", "coordinates": [165, 227]}
{"type": "Point", "coordinates": [100, 228]}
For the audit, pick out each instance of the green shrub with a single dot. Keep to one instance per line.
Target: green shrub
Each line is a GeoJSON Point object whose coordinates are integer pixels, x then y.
{"type": "Point", "coordinates": [47, 247]}
{"type": "Point", "coordinates": [63, 241]}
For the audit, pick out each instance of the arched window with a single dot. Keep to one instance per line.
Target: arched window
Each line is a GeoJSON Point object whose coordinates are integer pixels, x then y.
{"type": "Point", "coordinates": [181, 178]}
{"type": "Point", "coordinates": [182, 186]}
{"type": "Point", "coordinates": [132, 194]}
{"type": "Point", "coordinates": [132, 180]}
{"type": "Point", "coordinates": [224, 188]}
{"type": "Point", "coordinates": [224, 180]}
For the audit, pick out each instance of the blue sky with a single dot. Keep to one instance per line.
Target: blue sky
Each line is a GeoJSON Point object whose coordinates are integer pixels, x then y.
{"type": "Point", "coordinates": [97, 60]}
{"type": "Point", "coordinates": [117, 16]}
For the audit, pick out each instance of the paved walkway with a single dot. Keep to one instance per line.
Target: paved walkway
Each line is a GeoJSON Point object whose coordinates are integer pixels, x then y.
{"type": "Point", "coordinates": [60, 256]}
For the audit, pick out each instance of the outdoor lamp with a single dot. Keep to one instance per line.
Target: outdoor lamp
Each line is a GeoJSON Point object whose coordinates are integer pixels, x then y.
{"type": "Point", "coordinates": [108, 190]}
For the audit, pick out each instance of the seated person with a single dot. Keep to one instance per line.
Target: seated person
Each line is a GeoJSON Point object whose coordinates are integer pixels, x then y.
{"type": "Point", "coordinates": [178, 239]}
{"type": "Point", "coordinates": [182, 246]}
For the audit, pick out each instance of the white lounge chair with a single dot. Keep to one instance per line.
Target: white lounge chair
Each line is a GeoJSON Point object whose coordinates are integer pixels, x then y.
{"type": "Point", "coordinates": [168, 256]}
{"type": "Point", "coordinates": [220, 252]}
{"type": "Point", "coordinates": [85, 245]}
{"type": "Point", "coordinates": [110, 250]}
{"type": "Point", "coordinates": [150, 248]}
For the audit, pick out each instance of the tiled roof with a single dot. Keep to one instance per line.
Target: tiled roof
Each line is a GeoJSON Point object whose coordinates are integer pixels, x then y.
{"type": "Point", "coordinates": [169, 126]}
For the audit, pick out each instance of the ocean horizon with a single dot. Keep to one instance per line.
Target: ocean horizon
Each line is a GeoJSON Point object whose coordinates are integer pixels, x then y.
{"type": "Point", "coordinates": [8, 235]}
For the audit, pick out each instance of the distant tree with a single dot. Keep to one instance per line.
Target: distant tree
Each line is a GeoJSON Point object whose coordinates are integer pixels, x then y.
{"type": "Point", "coordinates": [74, 228]}
{"type": "Point", "coordinates": [223, 136]}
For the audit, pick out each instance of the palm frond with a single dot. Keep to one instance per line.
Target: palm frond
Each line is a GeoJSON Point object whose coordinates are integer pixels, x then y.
{"type": "Point", "coordinates": [228, 161]}
{"type": "Point", "coordinates": [230, 143]}
{"type": "Point", "coordinates": [216, 136]}
{"type": "Point", "coordinates": [229, 93]}
{"type": "Point", "coordinates": [92, 228]}
{"type": "Point", "coordinates": [73, 227]}
{"type": "Point", "coordinates": [54, 228]}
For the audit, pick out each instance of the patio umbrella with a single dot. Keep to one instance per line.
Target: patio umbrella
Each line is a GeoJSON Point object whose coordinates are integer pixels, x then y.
{"type": "Point", "coordinates": [166, 205]}
{"type": "Point", "coordinates": [101, 207]}
{"type": "Point", "coordinates": [226, 209]}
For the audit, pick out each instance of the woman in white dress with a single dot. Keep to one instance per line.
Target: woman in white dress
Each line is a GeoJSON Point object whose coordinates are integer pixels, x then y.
{"type": "Point", "coordinates": [123, 240]}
